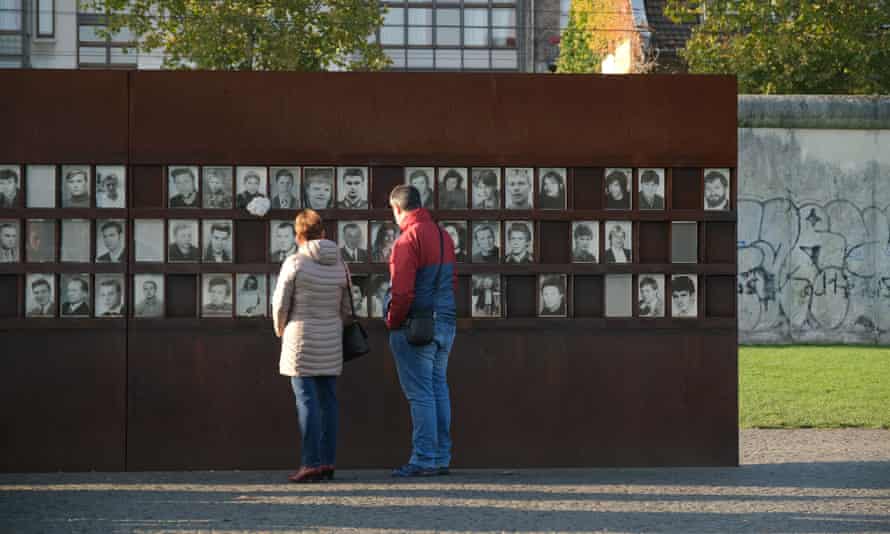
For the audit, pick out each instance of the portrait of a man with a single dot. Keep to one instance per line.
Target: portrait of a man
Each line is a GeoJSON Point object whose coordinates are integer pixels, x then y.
{"type": "Point", "coordinates": [76, 186]}
{"type": "Point", "coordinates": [518, 188]}
{"type": "Point", "coordinates": [357, 287]}
{"type": "Point", "coordinates": [585, 241]}
{"type": "Point", "coordinates": [486, 295]}
{"type": "Point", "coordinates": [552, 289]}
{"type": "Point", "coordinates": [486, 241]}
{"type": "Point", "coordinates": [76, 296]}
{"type": "Point", "coordinates": [110, 295]}
{"type": "Point", "coordinates": [552, 189]}
{"type": "Point", "coordinates": [717, 189]}
{"type": "Point", "coordinates": [282, 239]}
{"type": "Point", "coordinates": [251, 185]}
{"type": "Point", "coordinates": [183, 241]}
{"type": "Point", "coordinates": [486, 188]}
{"type": "Point", "coordinates": [217, 297]}
{"type": "Point", "coordinates": [285, 188]}
{"type": "Point", "coordinates": [9, 241]}
{"type": "Point", "coordinates": [9, 186]}
{"type": "Point", "coordinates": [618, 189]}
{"type": "Point", "coordinates": [111, 186]}
{"type": "Point", "coordinates": [41, 191]}
{"type": "Point", "coordinates": [218, 241]}
{"type": "Point", "coordinates": [651, 295]}
{"type": "Point", "coordinates": [183, 187]}
{"type": "Point", "coordinates": [251, 295]}
{"type": "Point", "coordinates": [379, 287]}
{"type": "Point", "coordinates": [422, 179]}
{"type": "Point", "coordinates": [217, 187]}
{"type": "Point", "coordinates": [383, 237]}
{"type": "Point", "coordinates": [452, 188]}
{"type": "Point", "coordinates": [318, 183]}
{"type": "Point", "coordinates": [76, 240]}
{"type": "Point", "coordinates": [684, 303]}
{"type": "Point", "coordinates": [40, 241]}
{"type": "Point", "coordinates": [651, 189]}
{"type": "Point", "coordinates": [353, 244]}
{"type": "Point", "coordinates": [148, 237]}
{"type": "Point", "coordinates": [39, 296]}
{"type": "Point", "coordinates": [149, 289]}
{"type": "Point", "coordinates": [458, 232]}
{"type": "Point", "coordinates": [520, 242]}
{"type": "Point", "coordinates": [618, 236]}
{"type": "Point", "coordinates": [110, 241]}
{"type": "Point", "coordinates": [353, 188]}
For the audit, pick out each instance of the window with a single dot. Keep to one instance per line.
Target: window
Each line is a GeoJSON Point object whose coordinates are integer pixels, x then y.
{"type": "Point", "coordinates": [475, 27]}
{"type": "Point", "coordinates": [46, 18]}
{"type": "Point", "coordinates": [420, 26]}
{"type": "Point", "coordinates": [94, 50]}
{"type": "Point", "coordinates": [448, 27]}
{"type": "Point", "coordinates": [10, 15]}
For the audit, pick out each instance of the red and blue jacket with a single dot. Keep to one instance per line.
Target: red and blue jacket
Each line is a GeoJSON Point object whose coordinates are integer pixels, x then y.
{"type": "Point", "coordinates": [412, 271]}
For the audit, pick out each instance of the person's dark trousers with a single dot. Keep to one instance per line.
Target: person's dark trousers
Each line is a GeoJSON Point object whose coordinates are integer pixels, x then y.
{"type": "Point", "coordinates": [316, 398]}
{"type": "Point", "coordinates": [422, 373]}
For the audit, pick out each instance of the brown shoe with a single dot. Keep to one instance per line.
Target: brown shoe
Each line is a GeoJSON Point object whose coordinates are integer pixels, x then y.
{"type": "Point", "coordinates": [305, 474]}
{"type": "Point", "coordinates": [327, 472]}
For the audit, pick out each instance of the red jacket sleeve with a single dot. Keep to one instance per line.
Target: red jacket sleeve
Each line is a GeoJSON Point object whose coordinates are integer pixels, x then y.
{"type": "Point", "coordinates": [403, 263]}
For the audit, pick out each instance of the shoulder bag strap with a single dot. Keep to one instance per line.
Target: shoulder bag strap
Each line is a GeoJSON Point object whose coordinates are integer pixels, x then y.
{"type": "Point", "coordinates": [439, 266]}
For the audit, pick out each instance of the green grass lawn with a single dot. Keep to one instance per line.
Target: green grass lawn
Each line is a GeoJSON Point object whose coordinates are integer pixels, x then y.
{"type": "Point", "coordinates": [814, 387]}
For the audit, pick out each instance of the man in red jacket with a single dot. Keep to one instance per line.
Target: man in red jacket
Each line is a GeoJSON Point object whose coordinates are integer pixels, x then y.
{"type": "Point", "coordinates": [423, 277]}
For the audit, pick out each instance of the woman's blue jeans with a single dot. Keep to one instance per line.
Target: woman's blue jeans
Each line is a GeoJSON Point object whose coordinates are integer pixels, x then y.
{"type": "Point", "coordinates": [316, 398]}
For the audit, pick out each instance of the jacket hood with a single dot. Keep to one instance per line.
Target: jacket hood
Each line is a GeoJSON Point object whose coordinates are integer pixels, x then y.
{"type": "Point", "coordinates": [322, 251]}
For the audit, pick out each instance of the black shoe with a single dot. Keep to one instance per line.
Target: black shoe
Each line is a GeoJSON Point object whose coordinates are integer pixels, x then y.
{"type": "Point", "coordinates": [443, 471]}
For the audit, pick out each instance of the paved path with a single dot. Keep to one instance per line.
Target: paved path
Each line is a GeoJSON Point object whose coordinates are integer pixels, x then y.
{"type": "Point", "coordinates": [790, 481]}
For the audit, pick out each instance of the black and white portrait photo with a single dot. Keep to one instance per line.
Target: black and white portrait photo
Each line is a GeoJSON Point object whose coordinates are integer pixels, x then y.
{"type": "Point", "coordinates": [282, 240]}
{"type": "Point", "coordinates": [182, 241]}
{"type": "Point", "coordinates": [76, 186]}
{"type": "Point", "coordinates": [552, 189]}
{"type": "Point", "coordinates": [383, 237]}
{"type": "Point", "coordinates": [486, 241]}
{"type": "Point", "coordinates": [217, 236]}
{"type": "Point", "coordinates": [358, 287]}
{"type": "Point", "coordinates": [486, 299]}
{"type": "Point", "coordinates": [251, 297]}
{"type": "Point", "coordinates": [41, 186]}
{"type": "Point", "coordinates": [422, 180]}
{"type": "Point", "coordinates": [76, 240]}
{"type": "Point", "coordinates": [285, 188]}
{"type": "Point", "coordinates": [110, 295]}
{"type": "Point", "coordinates": [353, 241]}
{"type": "Point", "coordinates": [717, 189]}
{"type": "Point", "coordinates": [352, 188]}
{"type": "Point", "coordinates": [251, 182]}
{"type": "Point", "coordinates": [618, 189]}
{"type": "Point", "coordinates": [684, 303]}
{"type": "Point", "coordinates": [148, 293]}
{"type": "Point", "coordinates": [486, 188]}
{"type": "Point", "coordinates": [111, 186]}
{"type": "Point", "coordinates": [10, 239]}
{"type": "Point", "coordinates": [552, 290]}
{"type": "Point", "coordinates": [75, 295]}
{"type": "Point", "coordinates": [182, 187]}
{"type": "Point", "coordinates": [650, 295]}
{"type": "Point", "coordinates": [520, 243]}
{"type": "Point", "coordinates": [40, 294]}
{"type": "Point", "coordinates": [148, 237]}
{"type": "Point", "coordinates": [111, 241]}
{"type": "Point", "coordinates": [40, 240]}
{"type": "Point", "coordinates": [216, 295]}
{"type": "Point", "coordinates": [217, 187]}
{"type": "Point", "coordinates": [10, 186]}
{"type": "Point", "coordinates": [585, 241]}
{"type": "Point", "coordinates": [619, 242]}
{"type": "Point", "coordinates": [378, 287]}
{"type": "Point", "coordinates": [651, 189]}
{"type": "Point", "coordinates": [452, 188]}
{"type": "Point", "coordinates": [458, 232]}
{"type": "Point", "coordinates": [318, 187]}
{"type": "Point", "coordinates": [518, 188]}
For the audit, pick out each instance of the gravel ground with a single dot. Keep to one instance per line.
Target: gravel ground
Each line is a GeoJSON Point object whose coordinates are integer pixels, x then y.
{"type": "Point", "coordinates": [789, 481]}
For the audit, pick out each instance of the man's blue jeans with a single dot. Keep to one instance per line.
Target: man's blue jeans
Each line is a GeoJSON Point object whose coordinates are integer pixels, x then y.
{"type": "Point", "coordinates": [317, 413]}
{"type": "Point", "coordinates": [422, 374]}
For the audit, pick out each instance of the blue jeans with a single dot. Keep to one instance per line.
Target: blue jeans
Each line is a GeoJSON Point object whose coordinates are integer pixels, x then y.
{"type": "Point", "coordinates": [422, 374]}
{"type": "Point", "coordinates": [317, 413]}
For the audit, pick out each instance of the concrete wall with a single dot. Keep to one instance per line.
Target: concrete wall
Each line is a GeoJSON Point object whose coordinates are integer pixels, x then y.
{"type": "Point", "coordinates": [814, 220]}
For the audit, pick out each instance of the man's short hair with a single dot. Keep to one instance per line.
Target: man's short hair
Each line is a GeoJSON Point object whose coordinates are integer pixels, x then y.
{"type": "Point", "coordinates": [357, 283]}
{"type": "Point", "coordinates": [521, 228]}
{"type": "Point", "coordinates": [716, 175]}
{"type": "Point", "coordinates": [351, 226]}
{"type": "Point", "coordinates": [617, 176]}
{"type": "Point", "coordinates": [286, 173]}
{"type": "Point", "coordinates": [583, 230]}
{"type": "Point", "coordinates": [41, 282]}
{"type": "Point", "coordinates": [9, 174]}
{"type": "Point", "coordinates": [649, 281]}
{"type": "Point", "coordinates": [524, 174]}
{"type": "Point", "coordinates": [419, 173]}
{"type": "Point", "coordinates": [487, 178]}
{"type": "Point", "coordinates": [554, 281]}
{"type": "Point", "coordinates": [4, 226]}
{"type": "Point", "coordinates": [181, 226]}
{"type": "Point", "coordinates": [110, 177]}
{"type": "Point", "coordinates": [406, 197]}
{"type": "Point", "coordinates": [152, 282]}
{"type": "Point", "coordinates": [84, 286]}
{"type": "Point", "coordinates": [221, 227]}
{"type": "Point", "coordinates": [682, 283]}
{"type": "Point", "coordinates": [477, 229]}
{"type": "Point", "coordinates": [289, 226]}
{"type": "Point", "coordinates": [453, 174]}
{"type": "Point", "coordinates": [183, 171]}
{"type": "Point", "coordinates": [554, 175]}
{"type": "Point", "coordinates": [353, 171]}
{"type": "Point", "coordinates": [650, 177]}
{"type": "Point", "coordinates": [614, 230]}
{"type": "Point", "coordinates": [111, 282]}
{"type": "Point", "coordinates": [71, 174]}
{"type": "Point", "coordinates": [113, 224]}
{"type": "Point", "coordinates": [219, 281]}
{"type": "Point", "coordinates": [250, 280]}
{"type": "Point", "coordinates": [251, 176]}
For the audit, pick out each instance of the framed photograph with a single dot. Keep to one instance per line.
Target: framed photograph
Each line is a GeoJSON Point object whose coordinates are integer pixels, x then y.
{"type": "Point", "coordinates": [10, 186]}
{"type": "Point", "coordinates": [217, 187]}
{"type": "Point", "coordinates": [182, 238]}
{"type": "Point", "coordinates": [585, 241]}
{"type": "Point", "coordinates": [148, 294]}
{"type": "Point", "coordinates": [651, 189]}
{"type": "Point", "coordinates": [422, 178]}
{"type": "Point", "coordinates": [75, 295]}
{"type": "Point", "coordinates": [717, 190]}
{"type": "Point", "coordinates": [383, 237]}
{"type": "Point", "coordinates": [182, 187]}
{"type": "Point", "coordinates": [110, 295]}
{"type": "Point", "coordinates": [318, 187]}
{"type": "Point", "coordinates": [251, 296]}
{"type": "Point", "coordinates": [458, 232]}
{"type": "Point", "coordinates": [76, 181]}
{"type": "Point", "coordinates": [486, 188]}
{"type": "Point", "coordinates": [352, 188]}
{"type": "Point", "coordinates": [218, 241]}
{"type": "Point", "coordinates": [352, 236]}
{"type": "Point", "coordinates": [285, 188]}
{"type": "Point", "coordinates": [519, 188]}
{"type": "Point", "coordinates": [452, 188]}
{"type": "Point", "coordinates": [618, 189]}
{"type": "Point", "coordinates": [378, 288]}
{"type": "Point", "coordinates": [252, 182]}
{"type": "Point", "coordinates": [40, 240]}
{"type": "Point", "coordinates": [40, 299]}
{"type": "Point", "coordinates": [553, 291]}
{"type": "Point", "coordinates": [10, 241]}
{"type": "Point", "coordinates": [486, 241]}
{"type": "Point", "coordinates": [619, 295]}
{"type": "Point", "coordinates": [41, 186]}
{"type": "Point", "coordinates": [111, 186]}
{"type": "Point", "coordinates": [76, 243]}
{"type": "Point", "coordinates": [358, 285]}
{"type": "Point", "coordinates": [552, 188]}
{"type": "Point", "coordinates": [650, 295]}
{"type": "Point", "coordinates": [684, 302]}
{"type": "Point", "coordinates": [619, 242]}
{"type": "Point", "coordinates": [520, 243]}
{"type": "Point", "coordinates": [282, 240]}
{"type": "Point", "coordinates": [110, 241]}
{"type": "Point", "coordinates": [487, 298]}
{"type": "Point", "coordinates": [216, 295]}
{"type": "Point", "coordinates": [148, 237]}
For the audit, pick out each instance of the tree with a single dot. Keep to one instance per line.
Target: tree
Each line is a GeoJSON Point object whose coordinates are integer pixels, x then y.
{"type": "Point", "coordinates": [791, 46]}
{"type": "Point", "coordinates": [595, 29]}
{"type": "Point", "coordinates": [301, 35]}
{"type": "Point", "coordinates": [575, 47]}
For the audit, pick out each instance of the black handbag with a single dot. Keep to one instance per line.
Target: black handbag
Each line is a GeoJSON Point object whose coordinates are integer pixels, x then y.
{"type": "Point", "coordinates": [420, 327]}
{"type": "Point", "coordinates": [355, 339]}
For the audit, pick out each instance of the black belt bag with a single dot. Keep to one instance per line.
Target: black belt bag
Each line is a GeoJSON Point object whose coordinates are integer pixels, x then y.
{"type": "Point", "coordinates": [420, 327]}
